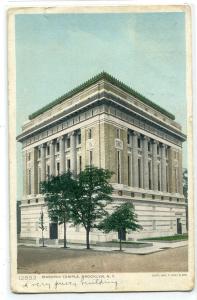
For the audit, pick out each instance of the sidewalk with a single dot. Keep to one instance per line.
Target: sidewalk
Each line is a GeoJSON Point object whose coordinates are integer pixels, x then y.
{"type": "Point", "coordinates": [156, 247]}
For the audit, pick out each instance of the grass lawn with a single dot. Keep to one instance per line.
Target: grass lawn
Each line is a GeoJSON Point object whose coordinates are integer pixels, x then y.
{"type": "Point", "coordinates": [177, 237]}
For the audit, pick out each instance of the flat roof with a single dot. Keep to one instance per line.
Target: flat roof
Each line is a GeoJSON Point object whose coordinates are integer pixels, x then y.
{"type": "Point", "coordinates": [93, 80]}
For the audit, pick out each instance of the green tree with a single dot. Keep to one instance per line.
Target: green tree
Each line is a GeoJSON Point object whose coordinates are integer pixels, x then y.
{"type": "Point", "coordinates": [120, 220]}
{"type": "Point", "coordinates": [185, 184]}
{"type": "Point", "coordinates": [58, 192]}
{"type": "Point", "coordinates": [41, 226]}
{"type": "Point", "coordinates": [185, 193]}
{"type": "Point", "coordinates": [90, 198]}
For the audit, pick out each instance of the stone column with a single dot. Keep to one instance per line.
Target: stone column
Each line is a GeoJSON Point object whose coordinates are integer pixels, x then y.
{"type": "Point", "coordinates": [62, 154]}
{"type": "Point", "coordinates": [145, 162]}
{"type": "Point", "coordinates": [135, 159]}
{"type": "Point", "coordinates": [170, 169]}
{"type": "Point", "coordinates": [180, 168]}
{"type": "Point", "coordinates": [25, 173]}
{"type": "Point", "coordinates": [73, 153]}
{"type": "Point", "coordinates": [34, 172]}
{"type": "Point", "coordinates": [163, 168]}
{"type": "Point", "coordinates": [154, 161]}
{"type": "Point", "coordinates": [52, 158]}
{"type": "Point", "coordinates": [43, 162]}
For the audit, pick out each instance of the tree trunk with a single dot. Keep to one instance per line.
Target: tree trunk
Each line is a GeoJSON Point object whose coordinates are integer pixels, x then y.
{"type": "Point", "coordinates": [120, 240]}
{"type": "Point", "coordinates": [42, 238]}
{"type": "Point", "coordinates": [88, 238]}
{"type": "Point", "coordinates": [65, 246]}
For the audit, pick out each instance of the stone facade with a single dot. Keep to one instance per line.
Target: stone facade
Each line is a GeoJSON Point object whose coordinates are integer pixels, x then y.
{"type": "Point", "coordinates": [103, 123]}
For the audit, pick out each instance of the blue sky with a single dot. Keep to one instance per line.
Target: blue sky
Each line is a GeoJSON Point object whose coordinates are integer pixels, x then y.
{"type": "Point", "coordinates": [56, 52]}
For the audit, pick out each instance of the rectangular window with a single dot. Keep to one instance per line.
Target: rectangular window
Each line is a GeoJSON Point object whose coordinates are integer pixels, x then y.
{"type": "Point", "coordinates": [149, 175]}
{"type": "Point", "coordinates": [158, 174]}
{"type": "Point", "coordinates": [58, 168]}
{"type": "Point", "coordinates": [149, 146]}
{"type": "Point", "coordinates": [158, 149]}
{"type": "Point", "coordinates": [39, 180]}
{"type": "Point", "coordinates": [139, 172]}
{"type": "Point", "coordinates": [128, 138]}
{"type": "Point", "coordinates": [48, 150]}
{"type": "Point", "coordinates": [139, 143]}
{"type": "Point", "coordinates": [80, 164]}
{"type": "Point", "coordinates": [68, 143]}
{"type": "Point", "coordinates": [176, 180]}
{"type": "Point", "coordinates": [118, 166]}
{"type": "Point", "coordinates": [167, 182]}
{"type": "Point", "coordinates": [68, 164]}
{"type": "Point", "coordinates": [57, 147]}
{"type": "Point", "coordinates": [129, 171]}
{"type": "Point", "coordinates": [91, 157]}
{"type": "Point", "coordinates": [39, 153]}
{"type": "Point", "coordinates": [29, 182]}
{"type": "Point", "coordinates": [117, 133]}
{"type": "Point", "coordinates": [166, 152]}
{"type": "Point", "coordinates": [48, 170]}
{"type": "Point", "coordinates": [79, 139]}
{"type": "Point", "coordinates": [89, 134]}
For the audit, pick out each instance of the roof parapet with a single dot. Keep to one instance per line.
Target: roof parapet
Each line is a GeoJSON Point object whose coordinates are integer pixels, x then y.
{"type": "Point", "coordinates": [109, 78]}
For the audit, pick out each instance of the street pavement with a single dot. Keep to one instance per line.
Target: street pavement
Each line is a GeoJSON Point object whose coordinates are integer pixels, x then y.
{"type": "Point", "coordinates": [61, 260]}
{"type": "Point", "coordinates": [156, 247]}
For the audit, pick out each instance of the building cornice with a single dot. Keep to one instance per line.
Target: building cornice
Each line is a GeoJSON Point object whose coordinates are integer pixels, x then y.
{"type": "Point", "coordinates": [98, 99]}
{"type": "Point", "coordinates": [93, 80]}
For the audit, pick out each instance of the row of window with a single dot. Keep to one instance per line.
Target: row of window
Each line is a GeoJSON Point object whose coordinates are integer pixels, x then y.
{"type": "Point", "coordinates": [139, 145]}
{"type": "Point", "coordinates": [57, 172]}
{"type": "Point", "coordinates": [29, 201]}
{"type": "Point", "coordinates": [120, 193]}
{"type": "Point", "coordinates": [150, 173]}
{"type": "Point", "coordinates": [57, 145]}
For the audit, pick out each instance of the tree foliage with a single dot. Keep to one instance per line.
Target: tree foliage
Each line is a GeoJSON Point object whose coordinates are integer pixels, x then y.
{"type": "Point", "coordinates": [185, 192]}
{"type": "Point", "coordinates": [122, 219]}
{"type": "Point", "coordinates": [41, 226]}
{"type": "Point", "coordinates": [92, 194]}
{"type": "Point", "coordinates": [185, 184]}
{"type": "Point", "coordinates": [80, 200]}
{"type": "Point", "coordinates": [58, 193]}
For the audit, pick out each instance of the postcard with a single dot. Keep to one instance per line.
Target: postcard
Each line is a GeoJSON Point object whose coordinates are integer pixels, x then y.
{"type": "Point", "coordinates": [100, 149]}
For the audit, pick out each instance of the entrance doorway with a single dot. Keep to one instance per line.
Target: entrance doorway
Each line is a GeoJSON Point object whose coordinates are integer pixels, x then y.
{"type": "Point", "coordinates": [53, 231]}
{"type": "Point", "coordinates": [179, 226]}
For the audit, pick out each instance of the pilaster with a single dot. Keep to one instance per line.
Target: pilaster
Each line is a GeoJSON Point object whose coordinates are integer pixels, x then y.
{"type": "Point", "coordinates": [52, 157]}
{"type": "Point", "coordinates": [135, 159]}
{"type": "Point", "coordinates": [25, 173]}
{"type": "Point", "coordinates": [163, 168]}
{"type": "Point", "coordinates": [154, 162]}
{"type": "Point", "coordinates": [73, 153]}
{"type": "Point", "coordinates": [43, 162]}
{"type": "Point", "coordinates": [62, 154]}
{"type": "Point", "coordinates": [145, 162]}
